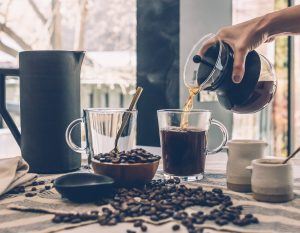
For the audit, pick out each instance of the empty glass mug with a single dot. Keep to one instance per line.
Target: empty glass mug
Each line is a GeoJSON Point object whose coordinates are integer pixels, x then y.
{"type": "Point", "coordinates": [101, 127]}
{"type": "Point", "coordinates": [184, 146]}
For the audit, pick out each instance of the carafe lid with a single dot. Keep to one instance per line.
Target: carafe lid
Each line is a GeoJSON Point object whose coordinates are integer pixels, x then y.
{"type": "Point", "coordinates": [206, 67]}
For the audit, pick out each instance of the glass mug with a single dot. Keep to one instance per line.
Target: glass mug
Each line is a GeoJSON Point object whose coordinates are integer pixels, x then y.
{"type": "Point", "coordinates": [184, 149]}
{"type": "Point", "coordinates": [101, 127]}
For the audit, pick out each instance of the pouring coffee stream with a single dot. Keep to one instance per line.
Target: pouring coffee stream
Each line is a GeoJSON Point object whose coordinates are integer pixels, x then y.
{"type": "Point", "coordinates": [126, 117]}
{"type": "Point", "coordinates": [193, 91]}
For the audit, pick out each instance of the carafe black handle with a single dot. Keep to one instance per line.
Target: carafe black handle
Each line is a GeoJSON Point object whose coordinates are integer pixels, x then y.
{"type": "Point", "coordinates": [3, 111]}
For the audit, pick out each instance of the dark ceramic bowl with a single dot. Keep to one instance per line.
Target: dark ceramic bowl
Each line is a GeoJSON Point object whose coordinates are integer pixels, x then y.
{"type": "Point", "coordinates": [135, 174]}
{"type": "Point", "coordinates": [84, 187]}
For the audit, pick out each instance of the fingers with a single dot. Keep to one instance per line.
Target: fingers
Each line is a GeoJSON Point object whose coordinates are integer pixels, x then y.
{"type": "Point", "coordinates": [207, 44]}
{"type": "Point", "coordinates": [239, 65]}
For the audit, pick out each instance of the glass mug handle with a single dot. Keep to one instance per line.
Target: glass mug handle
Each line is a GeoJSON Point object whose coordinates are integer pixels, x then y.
{"type": "Point", "coordinates": [225, 136]}
{"type": "Point", "coordinates": [68, 136]}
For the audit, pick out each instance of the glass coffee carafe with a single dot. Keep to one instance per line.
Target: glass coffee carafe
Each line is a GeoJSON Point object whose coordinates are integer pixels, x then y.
{"type": "Point", "coordinates": [213, 72]}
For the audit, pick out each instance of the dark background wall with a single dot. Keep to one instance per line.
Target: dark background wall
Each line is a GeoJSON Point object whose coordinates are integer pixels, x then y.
{"type": "Point", "coordinates": [157, 64]}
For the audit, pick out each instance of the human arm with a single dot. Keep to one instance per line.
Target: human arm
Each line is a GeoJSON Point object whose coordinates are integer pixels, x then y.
{"type": "Point", "coordinates": [247, 36]}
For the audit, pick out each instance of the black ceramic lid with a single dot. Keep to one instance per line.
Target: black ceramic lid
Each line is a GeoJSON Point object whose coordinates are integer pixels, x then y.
{"type": "Point", "coordinates": [206, 69]}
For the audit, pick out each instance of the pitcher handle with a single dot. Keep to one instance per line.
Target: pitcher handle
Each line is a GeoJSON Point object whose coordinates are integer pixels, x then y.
{"type": "Point", "coordinates": [68, 136]}
{"type": "Point", "coordinates": [225, 136]}
{"type": "Point", "coordinates": [3, 111]}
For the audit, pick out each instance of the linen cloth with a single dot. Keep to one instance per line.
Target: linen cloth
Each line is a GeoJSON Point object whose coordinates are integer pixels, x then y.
{"type": "Point", "coordinates": [13, 173]}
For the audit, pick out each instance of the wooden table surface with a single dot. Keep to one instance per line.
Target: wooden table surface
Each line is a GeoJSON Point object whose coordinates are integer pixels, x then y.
{"type": "Point", "coordinates": [274, 217]}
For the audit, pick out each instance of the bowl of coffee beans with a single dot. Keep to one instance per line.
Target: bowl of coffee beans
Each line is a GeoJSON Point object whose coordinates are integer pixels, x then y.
{"type": "Point", "coordinates": [130, 168]}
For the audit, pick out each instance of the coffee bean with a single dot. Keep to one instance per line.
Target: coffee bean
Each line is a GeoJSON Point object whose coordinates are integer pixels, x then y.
{"type": "Point", "coordinates": [76, 220]}
{"type": "Point", "coordinates": [175, 227]}
{"type": "Point", "coordinates": [249, 216]}
{"type": "Point", "coordinates": [254, 220]}
{"type": "Point", "coordinates": [138, 223]}
{"type": "Point", "coordinates": [229, 216]}
{"type": "Point", "coordinates": [151, 159]}
{"type": "Point", "coordinates": [210, 217]}
{"type": "Point", "coordinates": [97, 157]}
{"type": "Point", "coordinates": [116, 160]}
{"type": "Point", "coordinates": [163, 216]}
{"type": "Point", "coordinates": [200, 220]}
{"type": "Point", "coordinates": [199, 213]}
{"type": "Point", "coordinates": [221, 222]}
{"type": "Point", "coordinates": [154, 218]}
{"type": "Point", "coordinates": [108, 159]}
{"type": "Point", "coordinates": [238, 222]}
{"type": "Point", "coordinates": [30, 194]}
{"type": "Point", "coordinates": [102, 159]}
{"type": "Point", "coordinates": [239, 207]}
{"type": "Point", "coordinates": [144, 228]}
{"type": "Point", "coordinates": [112, 222]}
{"type": "Point", "coordinates": [34, 183]}
{"type": "Point", "coordinates": [227, 203]}
{"type": "Point", "coordinates": [57, 219]}
{"type": "Point", "coordinates": [130, 231]}
{"type": "Point", "coordinates": [33, 189]}
{"type": "Point", "coordinates": [216, 190]}
{"type": "Point", "coordinates": [131, 160]}
{"type": "Point", "coordinates": [176, 180]}
{"type": "Point", "coordinates": [66, 219]}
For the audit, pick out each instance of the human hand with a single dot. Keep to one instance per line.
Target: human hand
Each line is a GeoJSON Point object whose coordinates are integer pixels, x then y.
{"type": "Point", "coordinates": [242, 38]}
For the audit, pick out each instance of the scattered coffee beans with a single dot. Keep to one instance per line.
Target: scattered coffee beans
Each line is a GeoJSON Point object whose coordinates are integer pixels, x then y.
{"type": "Point", "coordinates": [163, 199]}
{"type": "Point", "coordinates": [138, 155]}
{"type": "Point", "coordinates": [34, 189]}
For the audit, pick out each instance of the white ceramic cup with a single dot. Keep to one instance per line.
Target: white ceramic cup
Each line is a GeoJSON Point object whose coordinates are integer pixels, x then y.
{"type": "Point", "coordinates": [271, 180]}
{"type": "Point", "coordinates": [240, 155]}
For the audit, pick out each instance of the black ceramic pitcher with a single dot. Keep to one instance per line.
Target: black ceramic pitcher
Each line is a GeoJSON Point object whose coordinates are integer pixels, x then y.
{"type": "Point", "coordinates": [49, 101]}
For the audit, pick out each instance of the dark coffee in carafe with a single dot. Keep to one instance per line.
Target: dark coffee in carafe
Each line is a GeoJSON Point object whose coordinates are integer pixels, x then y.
{"type": "Point", "coordinates": [252, 94]}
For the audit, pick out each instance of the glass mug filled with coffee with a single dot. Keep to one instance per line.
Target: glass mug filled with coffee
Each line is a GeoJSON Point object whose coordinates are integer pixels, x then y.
{"type": "Point", "coordinates": [183, 138]}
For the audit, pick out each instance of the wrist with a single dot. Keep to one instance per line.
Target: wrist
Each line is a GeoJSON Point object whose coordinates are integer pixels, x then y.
{"type": "Point", "coordinates": [268, 25]}
{"type": "Point", "coordinates": [263, 26]}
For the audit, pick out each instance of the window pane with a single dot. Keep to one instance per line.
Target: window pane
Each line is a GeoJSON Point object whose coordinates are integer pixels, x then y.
{"type": "Point", "coordinates": [271, 123]}
{"type": "Point", "coordinates": [105, 29]}
{"type": "Point", "coordinates": [296, 75]}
